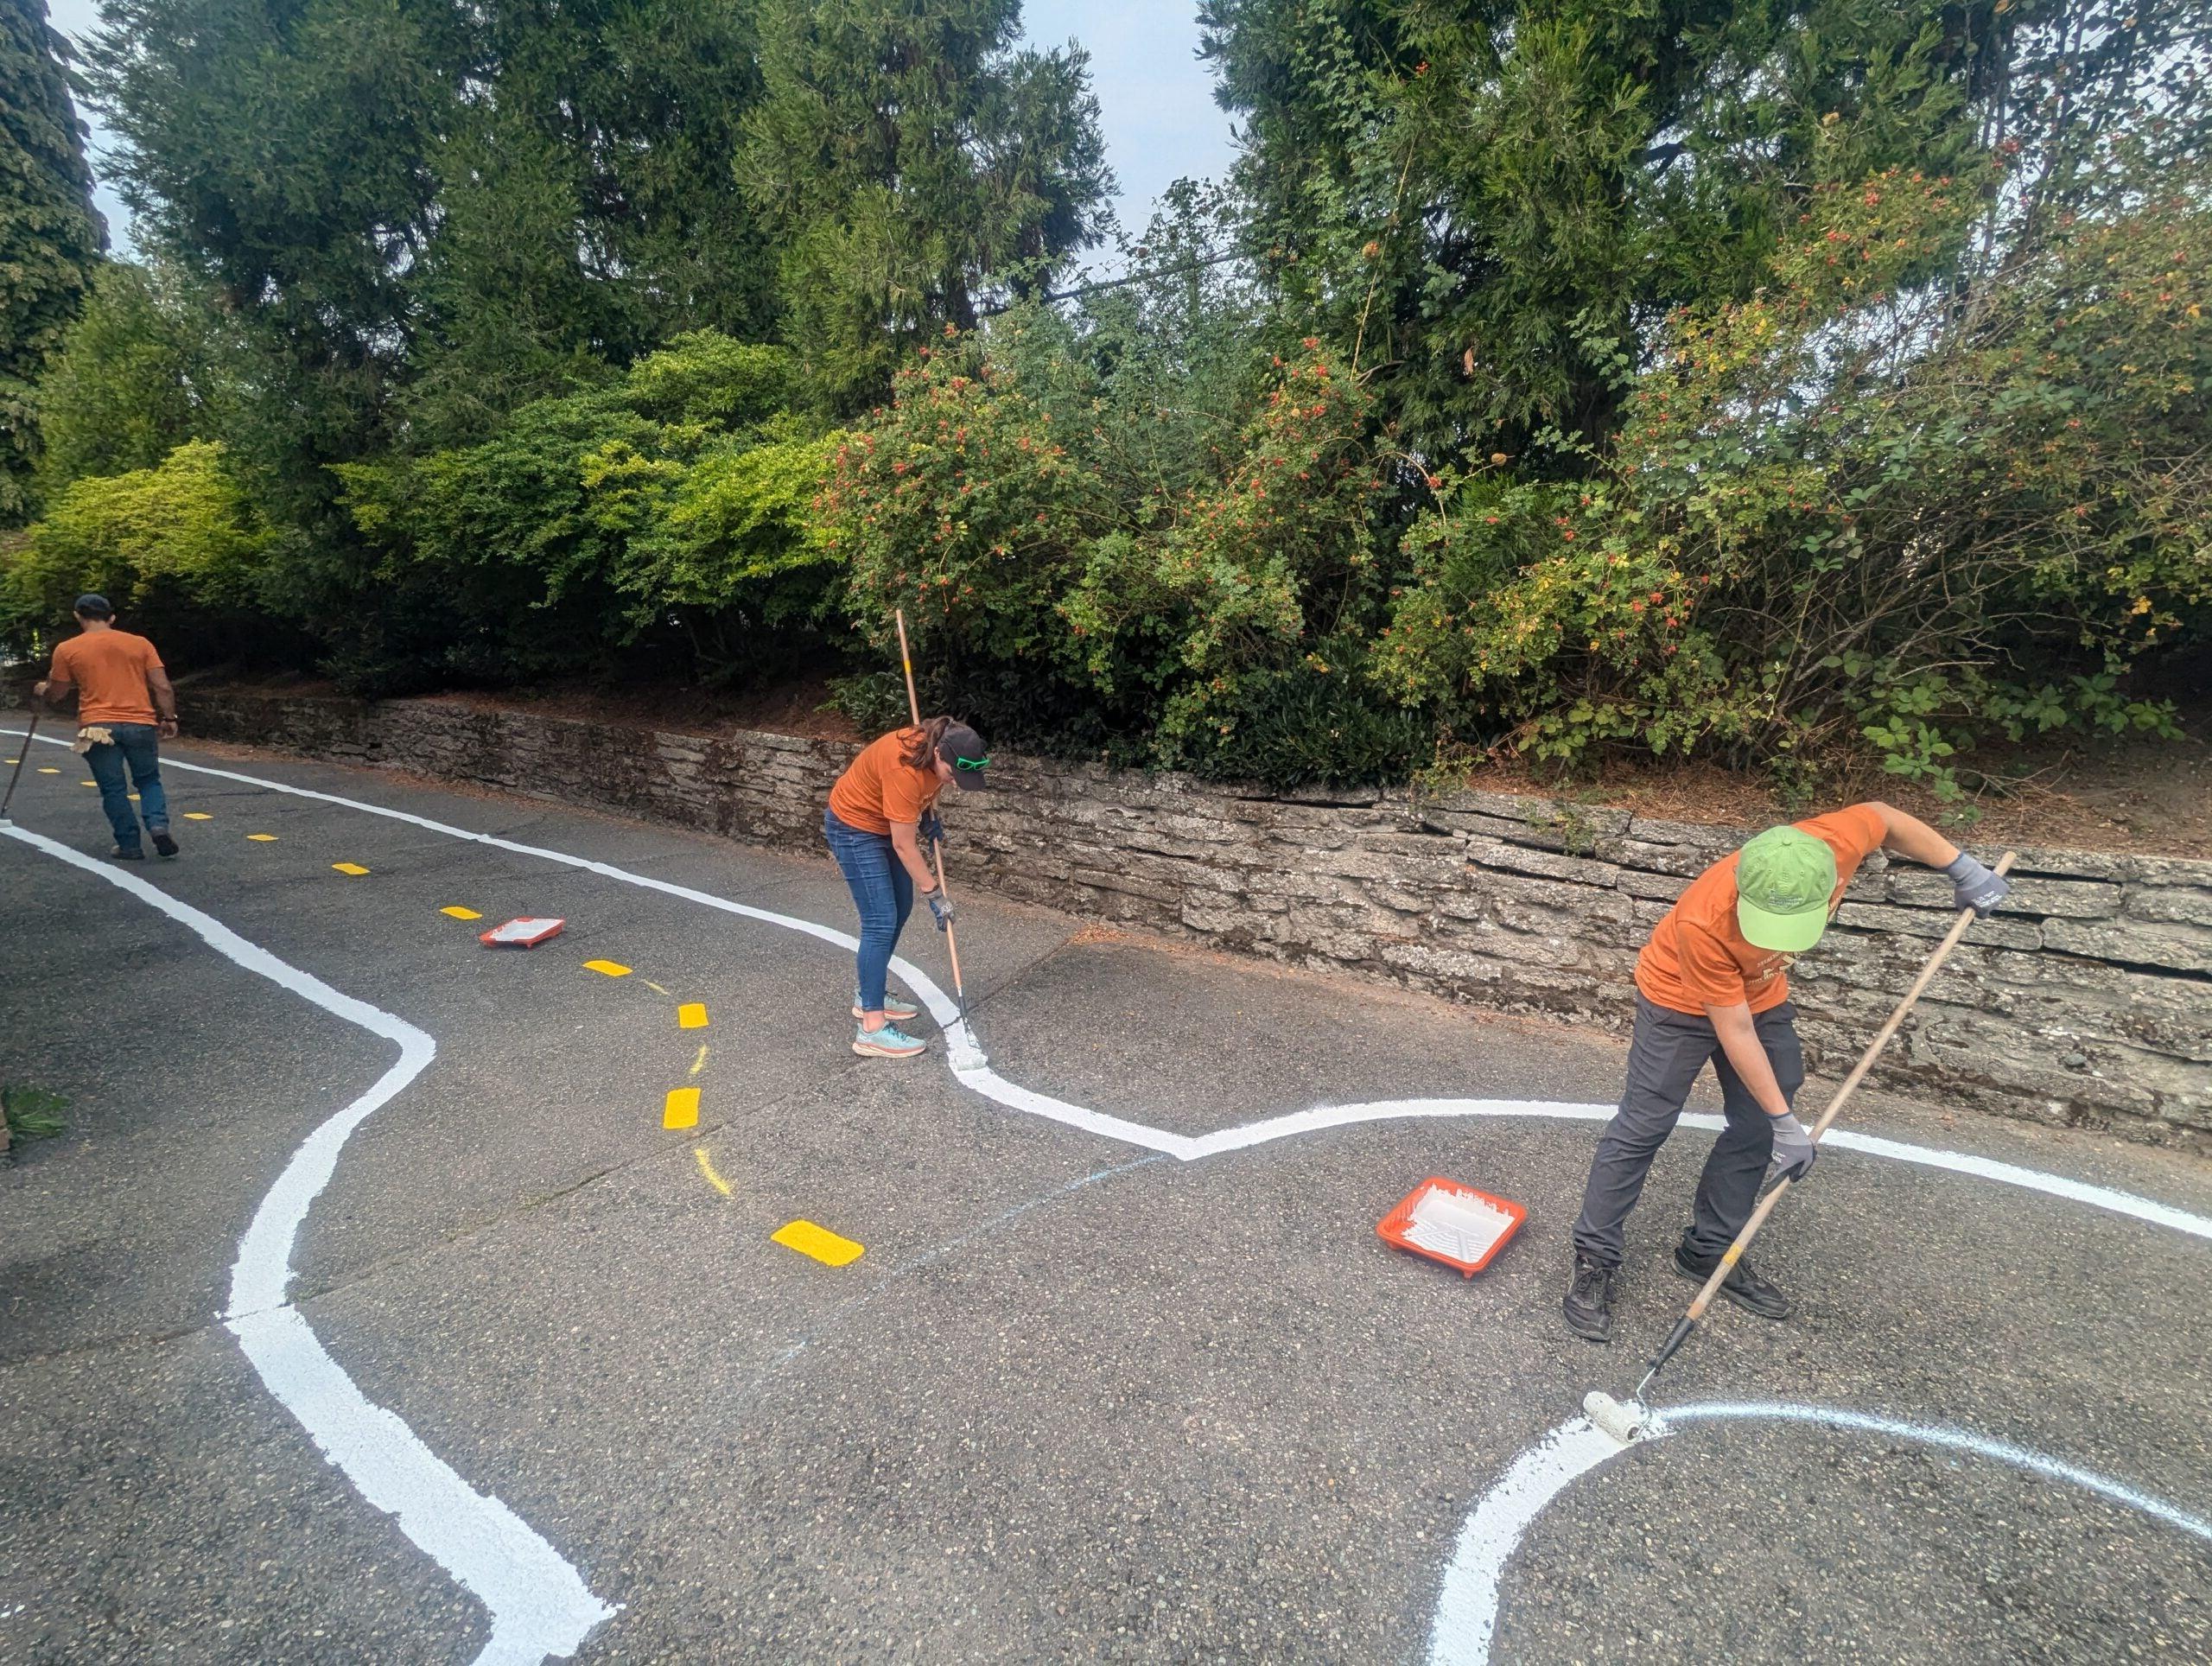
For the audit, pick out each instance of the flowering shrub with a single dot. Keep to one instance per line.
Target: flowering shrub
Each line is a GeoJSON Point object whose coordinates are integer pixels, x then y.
{"type": "Point", "coordinates": [1001, 533]}
{"type": "Point", "coordinates": [959, 503]}
{"type": "Point", "coordinates": [1860, 509]}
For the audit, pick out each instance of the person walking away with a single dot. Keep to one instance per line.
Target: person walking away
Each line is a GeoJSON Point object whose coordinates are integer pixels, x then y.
{"type": "Point", "coordinates": [125, 709]}
{"type": "Point", "coordinates": [1713, 983]}
{"type": "Point", "coordinates": [881, 814]}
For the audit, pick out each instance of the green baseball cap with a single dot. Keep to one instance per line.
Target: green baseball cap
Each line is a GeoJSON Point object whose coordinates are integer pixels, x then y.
{"type": "Point", "coordinates": [1783, 881]}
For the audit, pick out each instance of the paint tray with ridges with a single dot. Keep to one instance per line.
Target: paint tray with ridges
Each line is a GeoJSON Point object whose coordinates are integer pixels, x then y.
{"type": "Point", "coordinates": [1452, 1223]}
{"type": "Point", "coordinates": [521, 933]}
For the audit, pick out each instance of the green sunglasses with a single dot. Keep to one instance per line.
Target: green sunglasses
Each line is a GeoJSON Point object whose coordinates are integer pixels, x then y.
{"type": "Point", "coordinates": [969, 763]}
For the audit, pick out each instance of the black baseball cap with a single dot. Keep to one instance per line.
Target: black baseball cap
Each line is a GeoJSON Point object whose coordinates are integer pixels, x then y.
{"type": "Point", "coordinates": [95, 604]}
{"type": "Point", "coordinates": [963, 748]}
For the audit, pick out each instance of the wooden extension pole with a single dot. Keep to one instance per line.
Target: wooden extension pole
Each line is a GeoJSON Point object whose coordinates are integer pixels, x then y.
{"type": "Point", "coordinates": [936, 852]}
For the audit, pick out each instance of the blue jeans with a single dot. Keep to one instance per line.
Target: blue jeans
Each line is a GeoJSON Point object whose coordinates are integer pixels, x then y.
{"type": "Point", "coordinates": [136, 745]}
{"type": "Point", "coordinates": [884, 892]}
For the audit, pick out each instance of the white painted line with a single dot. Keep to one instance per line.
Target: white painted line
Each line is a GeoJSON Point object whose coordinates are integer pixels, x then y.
{"type": "Point", "coordinates": [1467, 1607]}
{"type": "Point", "coordinates": [539, 1605]}
{"type": "Point", "coordinates": [1187, 1147]}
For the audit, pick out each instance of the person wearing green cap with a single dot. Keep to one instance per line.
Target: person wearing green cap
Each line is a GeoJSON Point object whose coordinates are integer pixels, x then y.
{"type": "Point", "coordinates": [1712, 984]}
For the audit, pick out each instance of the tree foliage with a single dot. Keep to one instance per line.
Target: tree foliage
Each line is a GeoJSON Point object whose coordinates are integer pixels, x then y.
{"type": "Point", "coordinates": [661, 512]}
{"type": "Point", "coordinates": [134, 378]}
{"type": "Point", "coordinates": [177, 545]}
{"type": "Point", "coordinates": [911, 161]}
{"type": "Point", "coordinates": [1497, 207]}
{"type": "Point", "coordinates": [1794, 382]}
{"type": "Point", "coordinates": [1859, 508]}
{"type": "Point", "coordinates": [50, 238]}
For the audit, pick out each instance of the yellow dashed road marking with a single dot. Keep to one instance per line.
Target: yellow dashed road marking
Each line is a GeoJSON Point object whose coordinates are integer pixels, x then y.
{"type": "Point", "coordinates": [262, 838]}
{"type": "Point", "coordinates": [700, 1063]}
{"type": "Point", "coordinates": [45, 770]}
{"type": "Point", "coordinates": [818, 1242]}
{"type": "Point", "coordinates": [88, 783]}
{"type": "Point", "coordinates": [612, 968]}
{"type": "Point", "coordinates": [654, 987]}
{"type": "Point", "coordinates": [353, 868]}
{"type": "Point", "coordinates": [457, 911]}
{"type": "Point", "coordinates": [198, 816]}
{"type": "Point", "coordinates": [692, 1015]}
{"type": "Point", "coordinates": [708, 1169]}
{"type": "Point", "coordinates": [682, 1109]}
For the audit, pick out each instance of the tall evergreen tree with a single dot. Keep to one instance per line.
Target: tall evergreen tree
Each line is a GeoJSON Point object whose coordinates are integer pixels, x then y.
{"type": "Point", "coordinates": [1496, 204]}
{"type": "Point", "coordinates": [50, 236]}
{"type": "Point", "coordinates": [421, 216]}
{"type": "Point", "coordinates": [912, 160]}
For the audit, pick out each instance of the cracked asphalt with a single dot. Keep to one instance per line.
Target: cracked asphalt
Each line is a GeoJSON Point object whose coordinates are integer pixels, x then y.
{"type": "Point", "coordinates": [1076, 1401]}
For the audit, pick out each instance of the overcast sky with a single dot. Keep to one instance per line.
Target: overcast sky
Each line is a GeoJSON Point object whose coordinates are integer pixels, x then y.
{"type": "Point", "coordinates": [1155, 99]}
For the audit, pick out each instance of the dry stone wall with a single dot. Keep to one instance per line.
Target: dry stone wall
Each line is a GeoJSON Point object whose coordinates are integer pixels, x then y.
{"type": "Point", "coordinates": [2087, 1000]}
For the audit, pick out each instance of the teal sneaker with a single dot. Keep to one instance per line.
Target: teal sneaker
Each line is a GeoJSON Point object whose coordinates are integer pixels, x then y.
{"type": "Point", "coordinates": [889, 1042]}
{"type": "Point", "coordinates": [893, 1008]}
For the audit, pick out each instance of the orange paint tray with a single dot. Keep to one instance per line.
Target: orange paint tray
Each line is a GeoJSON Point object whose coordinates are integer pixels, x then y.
{"type": "Point", "coordinates": [1454, 1224]}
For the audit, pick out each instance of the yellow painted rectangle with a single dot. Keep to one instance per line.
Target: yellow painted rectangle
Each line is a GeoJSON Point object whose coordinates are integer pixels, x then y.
{"type": "Point", "coordinates": [692, 1015]}
{"type": "Point", "coordinates": [818, 1242]}
{"type": "Point", "coordinates": [45, 769]}
{"type": "Point", "coordinates": [457, 911]}
{"type": "Point", "coordinates": [262, 838]}
{"type": "Point", "coordinates": [353, 868]}
{"type": "Point", "coordinates": [612, 968]}
{"type": "Point", "coordinates": [682, 1109]}
{"type": "Point", "coordinates": [88, 783]}
{"type": "Point", "coordinates": [198, 816]}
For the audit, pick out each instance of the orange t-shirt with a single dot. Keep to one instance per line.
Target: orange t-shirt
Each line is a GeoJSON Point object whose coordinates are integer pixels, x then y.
{"type": "Point", "coordinates": [109, 668]}
{"type": "Point", "coordinates": [1697, 957]}
{"type": "Point", "coordinates": [881, 787]}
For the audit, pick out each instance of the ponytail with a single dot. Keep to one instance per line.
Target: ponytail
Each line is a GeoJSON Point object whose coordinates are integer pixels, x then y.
{"type": "Point", "coordinates": [921, 751]}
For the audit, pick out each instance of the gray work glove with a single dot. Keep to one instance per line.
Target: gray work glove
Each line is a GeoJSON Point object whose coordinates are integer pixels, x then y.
{"type": "Point", "coordinates": [939, 907]}
{"type": "Point", "coordinates": [1974, 885]}
{"type": "Point", "coordinates": [929, 829]}
{"type": "Point", "coordinates": [1794, 1150]}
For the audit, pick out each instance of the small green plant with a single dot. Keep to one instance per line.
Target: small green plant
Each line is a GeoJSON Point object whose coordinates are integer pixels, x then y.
{"type": "Point", "coordinates": [33, 1113]}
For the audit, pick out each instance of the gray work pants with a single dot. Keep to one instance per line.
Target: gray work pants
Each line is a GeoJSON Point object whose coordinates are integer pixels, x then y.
{"type": "Point", "coordinates": [1669, 1050]}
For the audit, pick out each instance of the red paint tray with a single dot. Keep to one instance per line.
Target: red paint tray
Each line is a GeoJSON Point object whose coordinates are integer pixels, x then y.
{"type": "Point", "coordinates": [521, 933]}
{"type": "Point", "coordinates": [1454, 1224]}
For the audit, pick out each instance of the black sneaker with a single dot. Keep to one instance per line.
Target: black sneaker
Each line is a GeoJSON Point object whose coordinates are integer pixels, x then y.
{"type": "Point", "coordinates": [1589, 1304]}
{"type": "Point", "coordinates": [1743, 1287]}
{"type": "Point", "coordinates": [134, 853]}
{"type": "Point", "coordinates": [162, 842]}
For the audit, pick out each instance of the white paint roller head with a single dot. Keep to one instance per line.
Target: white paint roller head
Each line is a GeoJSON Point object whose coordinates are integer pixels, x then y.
{"type": "Point", "coordinates": [1625, 1421]}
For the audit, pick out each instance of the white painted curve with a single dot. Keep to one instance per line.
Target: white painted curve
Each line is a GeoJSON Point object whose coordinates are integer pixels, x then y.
{"type": "Point", "coordinates": [539, 1605]}
{"type": "Point", "coordinates": [1466, 1621]}
{"type": "Point", "coordinates": [983, 1079]}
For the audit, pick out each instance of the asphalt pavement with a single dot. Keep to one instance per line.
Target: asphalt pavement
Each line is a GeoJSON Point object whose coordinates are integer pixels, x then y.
{"type": "Point", "coordinates": [1074, 1399]}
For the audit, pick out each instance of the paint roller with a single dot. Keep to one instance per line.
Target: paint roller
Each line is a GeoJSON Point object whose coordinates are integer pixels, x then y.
{"type": "Point", "coordinates": [1631, 1420]}
{"type": "Point", "coordinates": [960, 1040]}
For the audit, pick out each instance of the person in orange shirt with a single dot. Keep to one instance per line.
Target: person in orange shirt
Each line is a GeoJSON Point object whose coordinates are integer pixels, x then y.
{"type": "Point", "coordinates": [125, 707]}
{"type": "Point", "coordinates": [1713, 984]}
{"type": "Point", "coordinates": [881, 813]}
